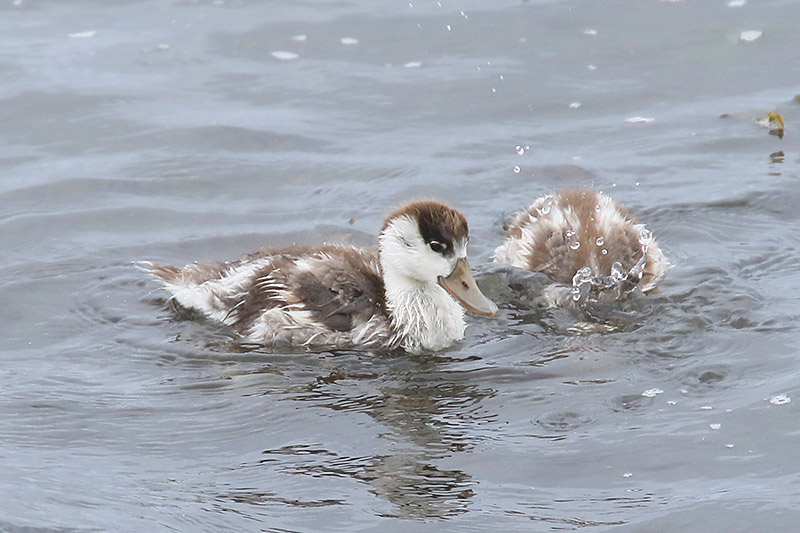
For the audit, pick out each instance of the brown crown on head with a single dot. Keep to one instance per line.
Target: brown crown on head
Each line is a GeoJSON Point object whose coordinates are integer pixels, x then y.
{"type": "Point", "coordinates": [436, 222]}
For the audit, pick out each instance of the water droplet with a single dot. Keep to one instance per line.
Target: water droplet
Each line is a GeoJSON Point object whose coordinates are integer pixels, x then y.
{"type": "Point", "coordinates": [570, 233]}
{"type": "Point", "coordinates": [737, 3]}
{"type": "Point", "coordinates": [300, 38]}
{"type": "Point", "coordinates": [617, 272]}
{"type": "Point", "coordinates": [604, 252]}
{"type": "Point", "coordinates": [715, 426]}
{"type": "Point", "coordinates": [82, 34]}
{"type": "Point", "coordinates": [575, 245]}
{"type": "Point", "coordinates": [574, 105]}
{"type": "Point", "coordinates": [639, 120]}
{"type": "Point", "coordinates": [597, 207]}
{"type": "Point", "coordinates": [520, 150]}
{"type": "Point", "coordinates": [627, 474]}
{"type": "Point", "coordinates": [590, 32]}
{"type": "Point", "coordinates": [750, 35]}
{"type": "Point", "coordinates": [283, 55]}
{"type": "Point", "coordinates": [652, 393]}
{"type": "Point", "coordinates": [645, 237]}
{"type": "Point", "coordinates": [591, 67]}
{"type": "Point", "coordinates": [413, 64]}
{"type": "Point", "coordinates": [449, 28]}
{"type": "Point", "coordinates": [349, 41]}
{"type": "Point", "coordinates": [600, 241]}
{"type": "Point", "coordinates": [780, 399]}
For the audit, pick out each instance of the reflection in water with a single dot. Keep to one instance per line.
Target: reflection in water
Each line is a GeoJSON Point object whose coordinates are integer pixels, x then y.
{"type": "Point", "coordinates": [429, 416]}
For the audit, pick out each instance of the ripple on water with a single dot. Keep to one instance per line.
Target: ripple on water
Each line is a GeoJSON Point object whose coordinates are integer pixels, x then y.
{"type": "Point", "coordinates": [563, 422]}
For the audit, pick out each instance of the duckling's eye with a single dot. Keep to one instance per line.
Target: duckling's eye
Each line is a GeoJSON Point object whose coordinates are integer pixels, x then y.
{"type": "Point", "coordinates": [437, 247]}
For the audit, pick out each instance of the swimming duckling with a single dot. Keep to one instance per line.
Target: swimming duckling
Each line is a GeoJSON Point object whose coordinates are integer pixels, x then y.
{"type": "Point", "coordinates": [404, 295]}
{"type": "Point", "coordinates": [585, 239]}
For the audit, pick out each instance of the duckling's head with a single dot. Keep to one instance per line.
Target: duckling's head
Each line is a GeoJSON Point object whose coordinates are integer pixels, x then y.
{"type": "Point", "coordinates": [425, 243]}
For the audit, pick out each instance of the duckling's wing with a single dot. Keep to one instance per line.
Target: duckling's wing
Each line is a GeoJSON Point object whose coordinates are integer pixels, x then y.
{"type": "Point", "coordinates": [333, 288]}
{"type": "Point", "coordinates": [340, 287]}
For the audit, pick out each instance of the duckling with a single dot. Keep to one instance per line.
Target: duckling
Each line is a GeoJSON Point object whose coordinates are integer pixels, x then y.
{"type": "Point", "coordinates": [407, 294]}
{"type": "Point", "coordinates": [585, 239]}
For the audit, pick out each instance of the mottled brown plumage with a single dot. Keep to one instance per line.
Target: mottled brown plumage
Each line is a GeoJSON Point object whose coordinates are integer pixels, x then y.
{"type": "Point", "coordinates": [576, 228]}
{"type": "Point", "coordinates": [338, 296]}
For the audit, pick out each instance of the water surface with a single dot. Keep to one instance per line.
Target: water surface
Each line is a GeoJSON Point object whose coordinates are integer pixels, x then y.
{"type": "Point", "coordinates": [190, 130]}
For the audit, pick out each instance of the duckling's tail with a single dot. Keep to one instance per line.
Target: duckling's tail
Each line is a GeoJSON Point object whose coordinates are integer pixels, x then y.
{"type": "Point", "coordinates": [168, 275]}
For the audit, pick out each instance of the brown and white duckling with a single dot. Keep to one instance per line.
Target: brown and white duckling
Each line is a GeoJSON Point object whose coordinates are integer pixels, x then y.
{"type": "Point", "coordinates": [585, 239]}
{"type": "Point", "coordinates": [404, 295]}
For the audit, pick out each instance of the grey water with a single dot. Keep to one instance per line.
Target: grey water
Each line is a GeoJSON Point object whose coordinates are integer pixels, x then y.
{"type": "Point", "coordinates": [182, 130]}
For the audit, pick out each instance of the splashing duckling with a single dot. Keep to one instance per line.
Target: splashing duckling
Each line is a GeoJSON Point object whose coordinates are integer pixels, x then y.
{"type": "Point", "coordinates": [584, 239]}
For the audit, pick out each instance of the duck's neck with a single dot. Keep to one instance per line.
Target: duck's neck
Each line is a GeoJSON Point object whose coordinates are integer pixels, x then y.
{"type": "Point", "coordinates": [423, 315]}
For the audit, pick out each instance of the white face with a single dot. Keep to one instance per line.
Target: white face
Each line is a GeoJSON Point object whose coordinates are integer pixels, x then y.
{"type": "Point", "coordinates": [404, 252]}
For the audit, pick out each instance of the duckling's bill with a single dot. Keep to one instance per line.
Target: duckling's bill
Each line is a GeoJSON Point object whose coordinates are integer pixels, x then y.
{"type": "Point", "coordinates": [461, 285]}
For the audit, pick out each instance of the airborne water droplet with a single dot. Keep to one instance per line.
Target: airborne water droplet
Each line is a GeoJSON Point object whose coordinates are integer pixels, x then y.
{"type": "Point", "coordinates": [600, 241]}
{"type": "Point", "coordinates": [516, 169]}
{"type": "Point", "coordinates": [645, 236]}
{"type": "Point", "coordinates": [520, 150]}
{"type": "Point", "coordinates": [575, 245]}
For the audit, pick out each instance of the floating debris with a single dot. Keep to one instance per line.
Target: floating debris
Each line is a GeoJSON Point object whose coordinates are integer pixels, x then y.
{"type": "Point", "coordinates": [83, 34]}
{"type": "Point", "coordinates": [777, 157]}
{"type": "Point", "coordinates": [773, 121]}
{"type": "Point", "coordinates": [780, 399]}
{"type": "Point", "coordinates": [652, 393]}
{"type": "Point", "coordinates": [349, 41]}
{"type": "Point", "coordinates": [749, 36]}
{"type": "Point", "coordinates": [283, 55]}
{"type": "Point", "coordinates": [639, 120]}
